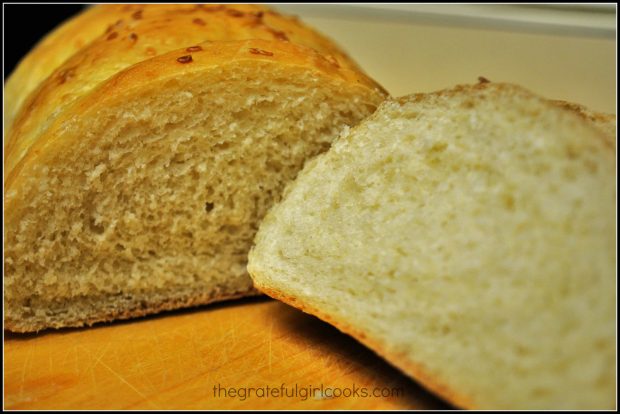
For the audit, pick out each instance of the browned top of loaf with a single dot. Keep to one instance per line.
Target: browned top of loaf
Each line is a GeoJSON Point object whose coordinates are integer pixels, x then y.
{"type": "Point", "coordinates": [111, 38]}
{"type": "Point", "coordinates": [606, 123]}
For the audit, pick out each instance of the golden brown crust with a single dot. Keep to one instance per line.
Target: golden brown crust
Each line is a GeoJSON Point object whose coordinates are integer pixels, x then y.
{"type": "Point", "coordinates": [118, 36]}
{"type": "Point", "coordinates": [139, 308]}
{"type": "Point", "coordinates": [606, 123]}
{"type": "Point", "coordinates": [50, 52]}
{"type": "Point", "coordinates": [414, 369]}
{"type": "Point", "coordinates": [457, 90]}
{"type": "Point", "coordinates": [583, 111]}
{"type": "Point", "coordinates": [216, 22]}
{"type": "Point", "coordinates": [26, 148]}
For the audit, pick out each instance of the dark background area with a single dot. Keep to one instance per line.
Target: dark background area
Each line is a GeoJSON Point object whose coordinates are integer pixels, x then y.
{"type": "Point", "coordinates": [26, 24]}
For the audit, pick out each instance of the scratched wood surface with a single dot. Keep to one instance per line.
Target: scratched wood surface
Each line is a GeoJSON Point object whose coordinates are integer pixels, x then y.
{"type": "Point", "coordinates": [173, 361]}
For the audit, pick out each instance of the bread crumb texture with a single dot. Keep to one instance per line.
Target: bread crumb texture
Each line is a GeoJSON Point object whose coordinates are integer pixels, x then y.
{"type": "Point", "coordinates": [137, 171]}
{"type": "Point", "coordinates": [468, 236]}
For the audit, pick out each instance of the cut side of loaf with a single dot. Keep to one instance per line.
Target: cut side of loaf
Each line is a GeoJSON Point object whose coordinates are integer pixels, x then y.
{"type": "Point", "coordinates": [135, 183]}
{"type": "Point", "coordinates": [468, 236]}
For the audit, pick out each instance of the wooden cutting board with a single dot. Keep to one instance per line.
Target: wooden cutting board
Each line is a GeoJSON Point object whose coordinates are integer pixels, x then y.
{"type": "Point", "coordinates": [174, 361]}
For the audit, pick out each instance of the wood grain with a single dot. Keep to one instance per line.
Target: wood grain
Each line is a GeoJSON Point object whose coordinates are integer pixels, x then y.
{"type": "Point", "coordinates": [174, 361]}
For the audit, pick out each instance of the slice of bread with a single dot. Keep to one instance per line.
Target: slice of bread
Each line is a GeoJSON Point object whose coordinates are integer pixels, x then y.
{"type": "Point", "coordinates": [137, 172]}
{"type": "Point", "coordinates": [468, 236]}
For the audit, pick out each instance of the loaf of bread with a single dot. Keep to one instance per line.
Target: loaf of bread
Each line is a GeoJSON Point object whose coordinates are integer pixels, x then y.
{"type": "Point", "coordinates": [145, 144]}
{"type": "Point", "coordinates": [468, 236]}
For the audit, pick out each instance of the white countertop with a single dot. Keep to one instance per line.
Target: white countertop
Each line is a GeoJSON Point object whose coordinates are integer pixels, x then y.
{"type": "Point", "coordinates": [560, 54]}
